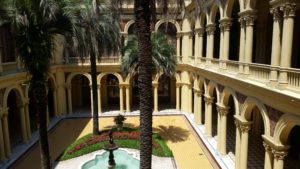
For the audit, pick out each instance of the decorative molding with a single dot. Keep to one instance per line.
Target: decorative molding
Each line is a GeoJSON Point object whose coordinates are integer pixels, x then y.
{"type": "Point", "coordinates": [210, 29]}
{"type": "Point", "coordinates": [279, 154]}
{"type": "Point", "coordinates": [268, 147]}
{"type": "Point", "coordinates": [225, 24]}
{"type": "Point", "coordinates": [208, 100]}
{"type": "Point", "coordinates": [222, 110]}
{"type": "Point", "coordinates": [289, 10]}
{"type": "Point", "coordinates": [277, 15]}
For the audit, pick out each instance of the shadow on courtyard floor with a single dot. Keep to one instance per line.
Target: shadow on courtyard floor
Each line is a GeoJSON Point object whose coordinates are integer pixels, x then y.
{"type": "Point", "coordinates": [172, 133]}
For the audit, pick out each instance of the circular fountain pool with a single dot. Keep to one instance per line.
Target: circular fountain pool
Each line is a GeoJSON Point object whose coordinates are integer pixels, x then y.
{"type": "Point", "coordinates": [123, 158]}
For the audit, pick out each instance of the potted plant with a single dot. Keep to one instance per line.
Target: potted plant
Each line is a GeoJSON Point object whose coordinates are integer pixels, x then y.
{"type": "Point", "coordinates": [119, 120]}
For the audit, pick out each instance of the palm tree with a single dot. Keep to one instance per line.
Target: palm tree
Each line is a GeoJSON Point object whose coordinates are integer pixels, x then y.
{"type": "Point", "coordinates": [96, 34]}
{"type": "Point", "coordinates": [145, 14]}
{"type": "Point", "coordinates": [34, 23]}
{"type": "Point", "coordinates": [163, 54]}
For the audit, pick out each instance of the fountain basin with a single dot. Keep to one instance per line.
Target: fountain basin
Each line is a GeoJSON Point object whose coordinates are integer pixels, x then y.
{"type": "Point", "coordinates": [124, 160]}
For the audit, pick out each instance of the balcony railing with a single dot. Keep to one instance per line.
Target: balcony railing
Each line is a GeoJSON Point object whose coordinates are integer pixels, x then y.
{"type": "Point", "coordinates": [232, 66]}
{"type": "Point", "coordinates": [112, 59]}
{"type": "Point", "coordinates": [259, 71]}
{"type": "Point", "coordinates": [294, 78]}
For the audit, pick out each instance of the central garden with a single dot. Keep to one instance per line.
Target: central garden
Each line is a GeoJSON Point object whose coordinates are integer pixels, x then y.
{"type": "Point", "coordinates": [125, 137]}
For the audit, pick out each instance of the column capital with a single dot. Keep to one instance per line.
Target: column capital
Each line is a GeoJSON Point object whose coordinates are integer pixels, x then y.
{"type": "Point", "coordinates": [242, 125]}
{"type": "Point", "coordinates": [178, 84]}
{"type": "Point", "coordinates": [225, 24]}
{"type": "Point", "coordinates": [245, 127]}
{"type": "Point", "coordinates": [276, 14]}
{"type": "Point", "coordinates": [208, 99]}
{"type": "Point", "coordinates": [249, 20]}
{"type": "Point", "coordinates": [26, 100]}
{"type": "Point", "coordinates": [200, 31]}
{"type": "Point", "coordinates": [4, 112]}
{"type": "Point", "coordinates": [222, 110]}
{"type": "Point", "coordinates": [210, 29]}
{"type": "Point", "coordinates": [279, 154]}
{"type": "Point", "coordinates": [289, 10]}
{"type": "Point", "coordinates": [267, 146]}
{"type": "Point", "coordinates": [155, 84]}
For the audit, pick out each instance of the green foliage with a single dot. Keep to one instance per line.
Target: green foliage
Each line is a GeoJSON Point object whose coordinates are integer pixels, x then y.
{"type": "Point", "coordinates": [162, 151]}
{"type": "Point", "coordinates": [96, 30]}
{"type": "Point", "coordinates": [163, 54]}
{"type": "Point", "coordinates": [119, 119]}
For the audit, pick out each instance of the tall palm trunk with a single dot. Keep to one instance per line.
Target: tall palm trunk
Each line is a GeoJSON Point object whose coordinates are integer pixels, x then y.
{"type": "Point", "coordinates": [142, 14]}
{"type": "Point", "coordinates": [94, 93]}
{"type": "Point", "coordinates": [40, 96]}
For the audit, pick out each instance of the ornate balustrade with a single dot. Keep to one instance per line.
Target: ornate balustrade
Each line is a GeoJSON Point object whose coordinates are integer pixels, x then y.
{"type": "Point", "coordinates": [232, 66]}
{"type": "Point", "coordinates": [293, 78]}
{"type": "Point", "coordinates": [259, 72]}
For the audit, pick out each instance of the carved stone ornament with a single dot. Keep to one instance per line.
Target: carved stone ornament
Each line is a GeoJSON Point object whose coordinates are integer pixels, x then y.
{"type": "Point", "coordinates": [289, 10]}
{"type": "Point", "coordinates": [279, 155]}
{"type": "Point", "coordinates": [276, 13]}
{"type": "Point", "coordinates": [210, 29]}
{"type": "Point", "coordinates": [267, 146]}
{"type": "Point", "coordinates": [245, 127]}
{"type": "Point", "coordinates": [208, 100]}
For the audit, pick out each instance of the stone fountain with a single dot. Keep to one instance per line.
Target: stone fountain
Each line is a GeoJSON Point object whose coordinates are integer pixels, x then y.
{"type": "Point", "coordinates": [110, 147]}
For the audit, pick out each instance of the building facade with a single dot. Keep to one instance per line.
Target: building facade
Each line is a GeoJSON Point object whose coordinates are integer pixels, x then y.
{"type": "Point", "coordinates": [238, 76]}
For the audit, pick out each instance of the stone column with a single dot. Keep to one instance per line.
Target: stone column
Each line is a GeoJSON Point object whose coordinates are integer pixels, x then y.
{"type": "Point", "coordinates": [1, 66]}
{"type": "Point", "coordinates": [23, 123]}
{"type": "Point", "coordinates": [178, 96]}
{"type": "Point", "coordinates": [6, 132]}
{"type": "Point", "coordinates": [244, 127]}
{"type": "Point", "coordinates": [198, 118]}
{"type": "Point", "coordinates": [69, 99]}
{"type": "Point", "coordinates": [92, 100]}
{"type": "Point", "coordinates": [287, 41]}
{"type": "Point", "coordinates": [242, 46]}
{"type": "Point", "coordinates": [178, 36]}
{"type": "Point", "coordinates": [279, 156]}
{"type": "Point", "coordinates": [61, 93]}
{"type": "Point", "coordinates": [237, 143]}
{"type": "Point", "coordinates": [121, 99]}
{"type": "Point", "coordinates": [225, 24]}
{"type": "Point", "coordinates": [27, 117]}
{"type": "Point", "coordinates": [208, 115]}
{"type": "Point", "coordinates": [221, 47]}
{"type": "Point", "coordinates": [210, 29]}
{"type": "Point", "coordinates": [55, 102]}
{"type": "Point", "coordinates": [223, 112]}
{"type": "Point", "coordinates": [201, 33]}
{"type": "Point", "coordinates": [155, 87]}
{"type": "Point", "coordinates": [268, 156]}
{"type": "Point", "coordinates": [185, 46]}
{"type": "Point", "coordinates": [99, 99]}
{"type": "Point", "coordinates": [196, 48]}
{"type": "Point", "coordinates": [2, 148]}
{"type": "Point", "coordinates": [249, 42]}
{"type": "Point", "coordinates": [276, 45]}
{"type": "Point", "coordinates": [128, 109]}
{"type": "Point", "coordinates": [196, 111]}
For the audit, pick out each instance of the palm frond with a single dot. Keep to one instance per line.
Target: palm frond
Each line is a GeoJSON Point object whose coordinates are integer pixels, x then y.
{"type": "Point", "coordinates": [163, 54]}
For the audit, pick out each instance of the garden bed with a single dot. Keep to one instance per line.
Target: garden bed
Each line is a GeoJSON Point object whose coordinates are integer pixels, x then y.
{"type": "Point", "coordinates": [127, 138]}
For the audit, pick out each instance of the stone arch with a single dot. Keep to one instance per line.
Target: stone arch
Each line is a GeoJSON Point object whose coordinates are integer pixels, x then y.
{"type": "Point", "coordinates": [283, 128]}
{"type": "Point", "coordinates": [201, 83]}
{"type": "Point", "coordinates": [19, 92]}
{"type": "Point", "coordinates": [70, 77]}
{"type": "Point", "coordinates": [53, 81]}
{"type": "Point", "coordinates": [128, 24]}
{"type": "Point", "coordinates": [229, 6]}
{"type": "Point", "coordinates": [227, 92]}
{"type": "Point", "coordinates": [174, 22]}
{"type": "Point", "coordinates": [213, 12]}
{"type": "Point", "coordinates": [210, 89]}
{"type": "Point", "coordinates": [202, 20]}
{"type": "Point", "coordinates": [249, 104]}
{"type": "Point", "coordinates": [101, 75]}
